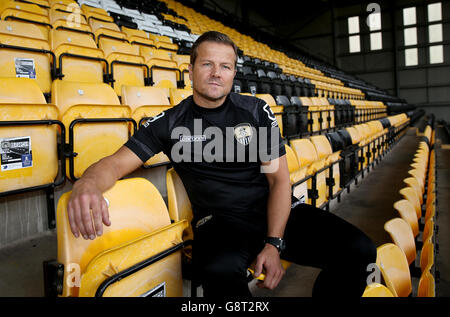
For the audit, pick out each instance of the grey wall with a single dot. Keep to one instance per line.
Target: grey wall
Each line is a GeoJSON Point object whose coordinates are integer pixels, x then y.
{"type": "Point", "coordinates": [427, 85]}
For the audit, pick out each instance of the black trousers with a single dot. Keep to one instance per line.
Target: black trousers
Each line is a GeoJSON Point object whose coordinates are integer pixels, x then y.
{"type": "Point", "coordinates": [223, 250]}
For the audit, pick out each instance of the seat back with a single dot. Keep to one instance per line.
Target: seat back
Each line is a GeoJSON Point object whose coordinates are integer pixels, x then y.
{"type": "Point", "coordinates": [21, 61]}
{"type": "Point", "coordinates": [305, 151]}
{"type": "Point", "coordinates": [395, 269]}
{"type": "Point", "coordinates": [183, 62]}
{"type": "Point", "coordinates": [322, 145]}
{"type": "Point", "coordinates": [296, 174]}
{"type": "Point", "coordinates": [413, 183]}
{"type": "Point", "coordinates": [402, 235]}
{"type": "Point", "coordinates": [410, 194]}
{"type": "Point", "coordinates": [325, 151]}
{"type": "Point", "coordinates": [29, 152]}
{"type": "Point", "coordinates": [180, 207]}
{"type": "Point", "coordinates": [407, 212]}
{"type": "Point", "coordinates": [80, 68]}
{"type": "Point", "coordinates": [427, 255]}
{"type": "Point", "coordinates": [66, 94]}
{"type": "Point", "coordinates": [308, 158]}
{"type": "Point", "coordinates": [140, 228]}
{"type": "Point", "coordinates": [145, 103]}
{"type": "Point", "coordinates": [354, 134]}
{"type": "Point", "coordinates": [91, 141]}
{"type": "Point", "coordinates": [26, 11]}
{"type": "Point", "coordinates": [178, 95]}
{"type": "Point", "coordinates": [164, 71]}
{"type": "Point", "coordinates": [138, 96]}
{"type": "Point", "coordinates": [377, 290]}
{"type": "Point", "coordinates": [126, 65]}
{"type": "Point", "coordinates": [428, 230]}
{"type": "Point", "coordinates": [427, 285]}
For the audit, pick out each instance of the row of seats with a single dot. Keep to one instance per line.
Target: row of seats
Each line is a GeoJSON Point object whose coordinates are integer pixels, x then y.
{"type": "Point", "coordinates": [330, 161]}
{"type": "Point", "coordinates": [299, 116]}
{"type": "Point", "coordinates": [152, 20]}
{"type": "Point", "coordinates": [75, 105]}
{"type": "Point", "coordinates": [96, 45]}
{"type": "Point", "coordinates": [22, 100]}
{"type": "Point", "coordinates": [95, 124]}
{"type": "Point", "coordinates": [88, 39]}
{"type": "Point", "coordinates": [324, 85]}
{"type": "Point", "coordinates": [411, 233]}
{"type": "Point", "coordinates": [95, 50]}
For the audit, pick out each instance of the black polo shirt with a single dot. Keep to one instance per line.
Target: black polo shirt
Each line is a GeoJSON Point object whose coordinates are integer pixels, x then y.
{"type": "Point", "coordinates": [217, 153]}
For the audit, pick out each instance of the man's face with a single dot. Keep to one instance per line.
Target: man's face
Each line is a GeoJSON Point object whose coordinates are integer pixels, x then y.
{"type": "Point", "coordinates": [213, 71]}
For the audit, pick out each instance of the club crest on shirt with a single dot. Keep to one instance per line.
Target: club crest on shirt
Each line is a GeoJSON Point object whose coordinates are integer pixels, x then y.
{"type": "Point", "coordinates": [243, 133]}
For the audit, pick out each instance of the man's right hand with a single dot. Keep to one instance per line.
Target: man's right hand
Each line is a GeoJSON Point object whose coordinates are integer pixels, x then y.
{"type": "Point", "coordinates": [84, 198]}
{"type": "Point", "coordinates": [87, 192]}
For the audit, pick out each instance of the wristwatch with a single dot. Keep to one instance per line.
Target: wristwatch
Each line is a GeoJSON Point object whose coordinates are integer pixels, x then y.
{"type": "Point", "coordinates": [278, 243]}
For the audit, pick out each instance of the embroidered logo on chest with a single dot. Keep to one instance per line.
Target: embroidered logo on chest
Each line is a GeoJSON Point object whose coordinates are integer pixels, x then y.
{"type": "Point", "coordinates": [243, 133]}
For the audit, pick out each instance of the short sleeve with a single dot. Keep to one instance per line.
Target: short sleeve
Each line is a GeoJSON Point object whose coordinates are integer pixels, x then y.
{"type": "Point", "coordinates": [150, 137]}
{"type": "Point", "coordinates": [271, 143]}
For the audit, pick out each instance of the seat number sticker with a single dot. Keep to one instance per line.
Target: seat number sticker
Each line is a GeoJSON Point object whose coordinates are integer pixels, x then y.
{"type": "Point", "coordinates": [158, 291]}
{"type": "Point", "coordinates": [15, 153]}
{"type": "Point", "coordinates": [25, 68]}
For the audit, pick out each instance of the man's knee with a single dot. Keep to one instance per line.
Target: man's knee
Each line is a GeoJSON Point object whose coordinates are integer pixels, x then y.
{"type": "Point", "coordinates": [224, 267]}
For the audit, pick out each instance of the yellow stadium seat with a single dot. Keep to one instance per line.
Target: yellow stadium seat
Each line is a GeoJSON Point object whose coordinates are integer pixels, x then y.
{"type": "Point", "coordinates": [29, 150]}
{"type": "Point", "coordinates": [407, 212]}
{"type": "Point", "coordinates": [98, 121]}
{"type": "Point", "coordinates": [103, 29]}
{"type": "Point", "coordinates": [96, 13]}
{"type": "Point", "coordinates": [296, 174]}
{"type": "Point", "coordinates": [138, 38]}
{"type": "Point", "coordinates": [395, 270]}
{"type": "Point", "coordinates": [427, 285]}
{"type": "Point", "coordinates": [402, 235]}
{"type": "Point", "coordinates": [145, 103]}
{"type": "Point", "coordinates": [77, 56]}
{"type": "Point", "coordinates": [183, 62]}
{"type": "Point", "coordinates": [413, 183]}
{"type": "Point", "coordinates": [163, 42]}
{"type": "Point", "coordinates": [314, 113]}
{"type": "Point", "coordinates": [427, 255]}
{"type": "Point", "coordinates": [42, 3]}
{"type": "Point", "coordinates": [410, 194]}
{"type": "Point", "coordinates": [164, 71]}
{"type": "Point", "coordinates": [26, 12]}
{"type": "Point", "coordinates": [179, 205]}
{"type": "Point", "coordinates": [430, 211]}
{"type": "Point", "coordinates": [307, 157]}
{"type": "Point", "coordinates": [19, 56]}
{"type": "Point", "coordinates": [276, 109]}
{"type": "Point", "coordinates": [54, 3]}
{"type": "Point", "coordinates": [127, 67]}
{"type": "Point", "coordinates": [177, 95]}
{"type": "Point", "coordinates": [325, 151]}
{"type": "Point", "coordinates": [72, 19]}
{"type": "Point", "coordinates": [428, 230]}
{"type": "Point", "coordinates": [377, 290]}
{"type": "Point", "coordinates": [140, 229]}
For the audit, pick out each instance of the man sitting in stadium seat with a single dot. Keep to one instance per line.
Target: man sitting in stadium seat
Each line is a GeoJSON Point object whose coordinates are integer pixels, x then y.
{"type": "Point", "coordinates": [228, 152]}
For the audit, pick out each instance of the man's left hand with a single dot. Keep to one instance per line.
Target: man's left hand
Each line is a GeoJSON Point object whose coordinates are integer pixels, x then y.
{"type": "Point", "coordinates": [269, 259]}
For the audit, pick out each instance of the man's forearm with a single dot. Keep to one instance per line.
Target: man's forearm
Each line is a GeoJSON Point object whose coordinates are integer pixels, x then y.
{"type": "Point", "coordinates": [110, 169]}
{"type": "Point", "coordinates": [278, 208]}
{"type": "Point", "coordinates": [102, 174]}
